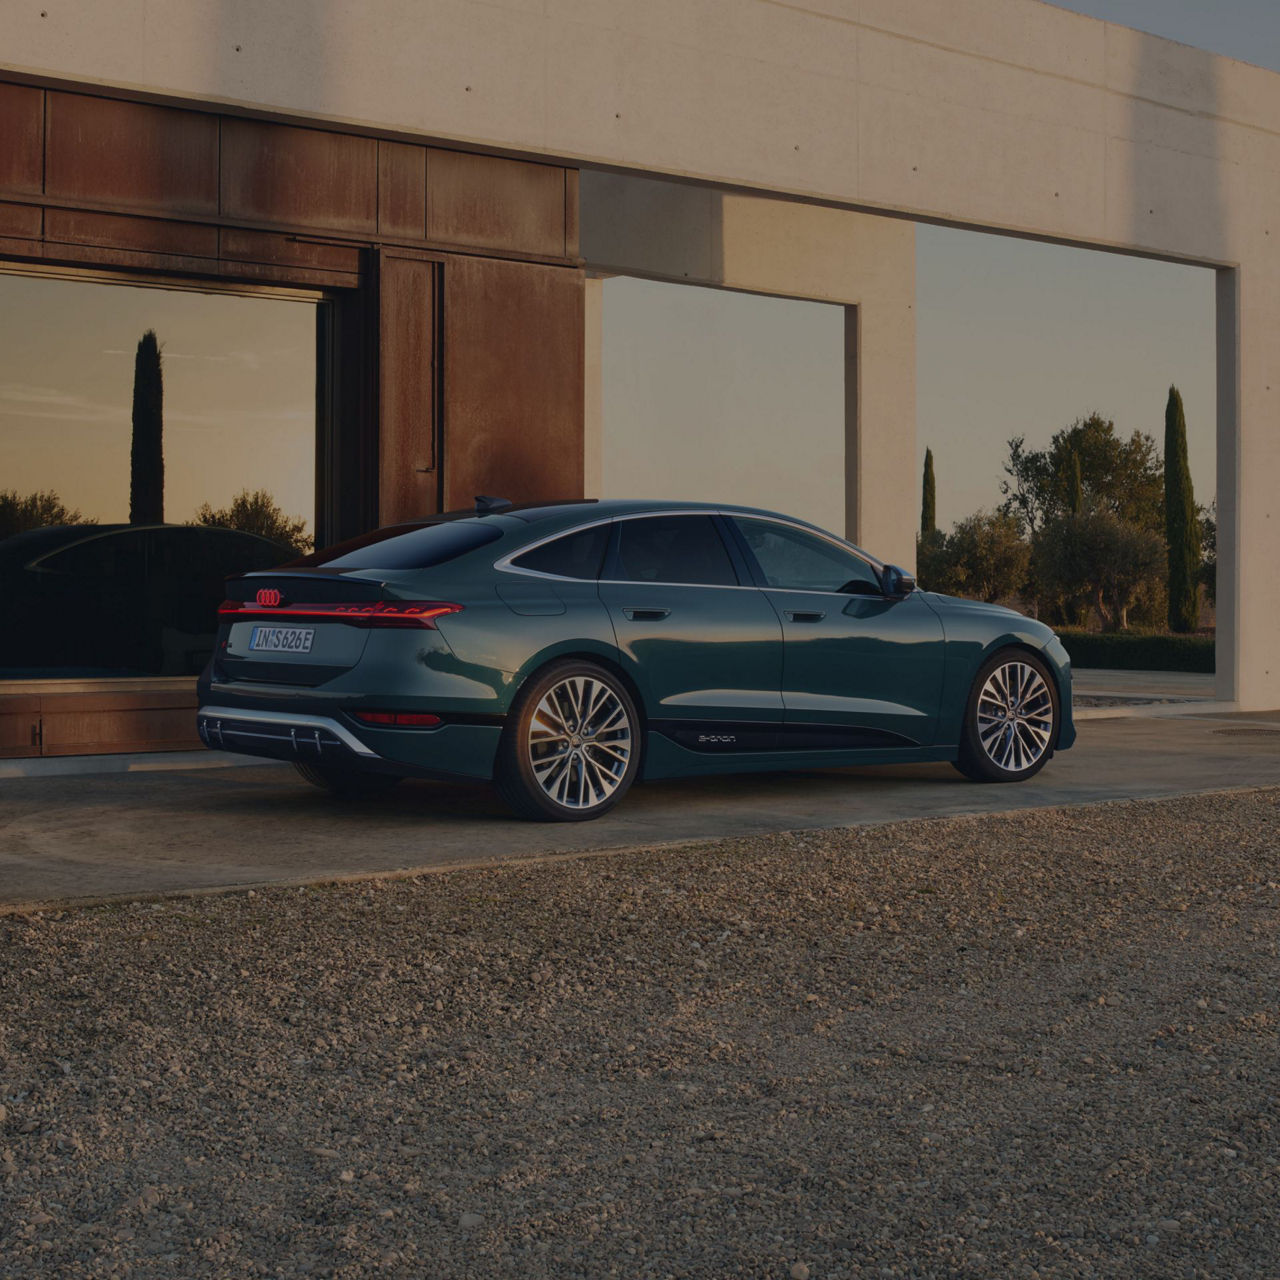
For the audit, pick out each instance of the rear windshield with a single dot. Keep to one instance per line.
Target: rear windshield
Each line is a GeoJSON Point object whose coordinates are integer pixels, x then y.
{"type": "Point", "coordinates": [404, 547]}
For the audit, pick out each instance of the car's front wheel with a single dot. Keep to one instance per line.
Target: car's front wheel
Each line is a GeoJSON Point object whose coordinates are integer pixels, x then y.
{"type": "Point", "coordinates": [570, 750]}
{"type": "Point", "coordinates": [1011, 719]}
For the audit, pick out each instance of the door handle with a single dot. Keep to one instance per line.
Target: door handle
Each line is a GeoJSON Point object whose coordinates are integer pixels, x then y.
{"type": "Point", "coordinates": [805, 615]}
{"type": "Point", "coordinates": [646, 615]}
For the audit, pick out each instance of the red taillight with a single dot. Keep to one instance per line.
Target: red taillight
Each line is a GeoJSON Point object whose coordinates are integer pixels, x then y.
{"type": "Point", "coordinates": [404, 719]}
{"type": "Point", "coordinates": [386, 613]}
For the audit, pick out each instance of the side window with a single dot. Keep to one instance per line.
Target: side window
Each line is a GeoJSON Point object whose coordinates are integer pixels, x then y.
{"type": "Point", "coordinates": [685, 549]}
{"type": "Point", "coordinates": [791, 558]}
{"type": "Point", "coordinates": [576, 555]}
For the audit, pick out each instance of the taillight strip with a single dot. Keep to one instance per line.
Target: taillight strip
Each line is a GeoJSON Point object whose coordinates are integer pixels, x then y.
{"type": "Point", "coordinates": [385, 613]}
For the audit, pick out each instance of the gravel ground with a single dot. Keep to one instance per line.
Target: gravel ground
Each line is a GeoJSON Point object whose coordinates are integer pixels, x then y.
{"type": "Point", "coordinates": [1035, 1045]}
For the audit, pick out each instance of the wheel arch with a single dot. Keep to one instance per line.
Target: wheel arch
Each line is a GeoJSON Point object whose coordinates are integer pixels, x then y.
{"type": "Point", "coordinates": [584, 653]}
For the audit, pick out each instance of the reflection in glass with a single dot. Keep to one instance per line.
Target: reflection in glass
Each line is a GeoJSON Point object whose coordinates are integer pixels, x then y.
{"type": "Point", "coordinates": [224, 454]}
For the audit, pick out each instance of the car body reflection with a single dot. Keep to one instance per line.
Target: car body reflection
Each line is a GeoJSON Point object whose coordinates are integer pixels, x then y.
{"type": "Point", "coordinates": [118, 600]}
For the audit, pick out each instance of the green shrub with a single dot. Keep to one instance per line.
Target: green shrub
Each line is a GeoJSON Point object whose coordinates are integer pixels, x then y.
{"type": "Point", "coordinates": [1133, 651]}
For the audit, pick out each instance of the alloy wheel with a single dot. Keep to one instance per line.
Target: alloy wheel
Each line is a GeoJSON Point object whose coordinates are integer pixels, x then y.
{"type": "Point", "coordinates": [579, 742]}
{"type": "Point", "coordinates": [1015, 716]}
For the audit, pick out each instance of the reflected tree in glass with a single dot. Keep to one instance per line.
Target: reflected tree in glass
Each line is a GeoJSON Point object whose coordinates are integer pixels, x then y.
{"type": "Point", "coordinates": [146, 458]}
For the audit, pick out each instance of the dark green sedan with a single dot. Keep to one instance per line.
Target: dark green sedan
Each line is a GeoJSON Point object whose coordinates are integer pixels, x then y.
{"type": "Point", "coordinates": [564, 650]}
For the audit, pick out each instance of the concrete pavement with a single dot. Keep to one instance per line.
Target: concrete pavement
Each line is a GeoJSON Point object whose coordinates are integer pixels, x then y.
{"type": "Point", "coordinates": [95, 836]}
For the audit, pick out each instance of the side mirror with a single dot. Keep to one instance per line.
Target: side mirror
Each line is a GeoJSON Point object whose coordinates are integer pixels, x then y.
{"type": "Point", "coordinates": [898, 583]}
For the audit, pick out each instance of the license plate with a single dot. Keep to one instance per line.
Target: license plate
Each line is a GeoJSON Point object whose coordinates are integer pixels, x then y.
{"type": "Point", "coordinates": [282, 639]}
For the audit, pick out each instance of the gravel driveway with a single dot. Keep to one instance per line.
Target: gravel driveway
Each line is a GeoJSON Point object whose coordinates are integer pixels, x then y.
{"type": "Point", "coordinates": [1035, 1045]}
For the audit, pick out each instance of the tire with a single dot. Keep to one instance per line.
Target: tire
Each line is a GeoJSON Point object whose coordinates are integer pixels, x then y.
{"type": "Point", "coordinates": [548, 769]}
{"type": "Point", "coordinates": [1010, 720]}
{"type": "Point", "coordinates": [347, 784]}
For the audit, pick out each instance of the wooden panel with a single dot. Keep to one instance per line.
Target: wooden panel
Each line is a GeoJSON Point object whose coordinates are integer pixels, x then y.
{"type": "Point", "coordinates": [268, 246]}
{"type": "Point", "coordinates": [102, 722]}
{"type": "Point", "coordinates": [21, 139]}
{"type": "Point", "coordinates": [513, 419]}
{"type": "Point", "coordinates": [300, 177]}
{"type": "Point", "coordinates": [493, 203]}
{"type": "Point", "coordinates": [20, 220]}
{"type": "Point", "coordinates": [402, 190]}
{"type": "Point", "coordinates": [68, 733]}
{"type": "Point", "coordinates": [19, 726]}
{"type": "Point", "coordinates": [151, 235]}
{"type": "Point", "coordinates": [406, 388]}
{"type": "Point", "coordinates": [131, 155]}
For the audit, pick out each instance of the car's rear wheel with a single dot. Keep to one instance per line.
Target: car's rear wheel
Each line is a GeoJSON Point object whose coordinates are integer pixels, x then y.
{"type": "Point", "coordinates": [347, 784]}
{"type": "Point", "coordinates": [570, 750]}
{"type": "Point", "coordinates": [1011, 719]}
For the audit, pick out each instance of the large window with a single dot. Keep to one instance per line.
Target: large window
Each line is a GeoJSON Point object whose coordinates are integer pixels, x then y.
{"type": "Point", "coordinates": [152, 442]}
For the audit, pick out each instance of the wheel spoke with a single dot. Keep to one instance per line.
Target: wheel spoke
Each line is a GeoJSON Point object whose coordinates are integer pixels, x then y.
{"type": "Point", "coordinates": [1014, 716]}
{"type": "Point", "coordinates": [579, 742]}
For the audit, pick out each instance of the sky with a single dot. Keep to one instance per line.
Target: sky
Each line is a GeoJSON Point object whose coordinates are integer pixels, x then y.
{"type": "Point", "coordinates": [239, 394]}
{"type": "Point", "coordinates": [996, 316]}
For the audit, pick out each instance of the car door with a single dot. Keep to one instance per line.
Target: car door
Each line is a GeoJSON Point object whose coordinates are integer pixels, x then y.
{"type": "Point", "coordinates": [703, 646]}
{"type": "Point", "coordinates": [859, 669]}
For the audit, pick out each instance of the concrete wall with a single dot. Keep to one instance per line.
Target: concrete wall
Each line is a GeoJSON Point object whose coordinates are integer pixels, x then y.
{"type": "Point", "coordinates": [694, 235]}
{"type": "Point", "coordinates": [1007, 114]}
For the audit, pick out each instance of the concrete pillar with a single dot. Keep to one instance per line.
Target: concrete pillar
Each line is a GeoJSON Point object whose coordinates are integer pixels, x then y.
{"type": "Point", "coordinates": [1249, 486]}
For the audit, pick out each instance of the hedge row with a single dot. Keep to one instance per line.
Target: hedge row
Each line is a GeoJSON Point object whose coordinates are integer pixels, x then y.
{"type": "Point", "coordinates": [1132, 651]}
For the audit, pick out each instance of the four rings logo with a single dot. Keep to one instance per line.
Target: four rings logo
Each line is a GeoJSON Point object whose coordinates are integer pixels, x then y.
{"type": "Point", "coordinates": [269, 597]}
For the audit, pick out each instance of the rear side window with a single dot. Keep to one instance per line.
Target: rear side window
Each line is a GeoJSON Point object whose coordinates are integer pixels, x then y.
{"type": "Point", "coordinates": [674, 549]}
{"type": "Point", "coordinates": [576, 555]}
{"type": "Point", "coordinates": [401, 547]}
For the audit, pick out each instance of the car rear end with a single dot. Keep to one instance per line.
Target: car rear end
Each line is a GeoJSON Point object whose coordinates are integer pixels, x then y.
{"type": "Point", "coordinates": [343, 659]}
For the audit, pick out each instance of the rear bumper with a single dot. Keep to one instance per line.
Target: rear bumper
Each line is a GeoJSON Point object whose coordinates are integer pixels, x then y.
{"type": "Point", "coordinates": [449, 751]}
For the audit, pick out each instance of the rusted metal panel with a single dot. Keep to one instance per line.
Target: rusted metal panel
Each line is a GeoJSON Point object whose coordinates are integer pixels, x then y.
{"type": "Point", "coordinates": [149, 235]}
{"type": "Point", "coordinates": [494, 203]}
{"type": "Point", "coordinates": [23, 220]}
{"type": "Point", "coordinates": [272, 247]}
{"type": "Point", "coordinates": [572, 204]}
{"type": "Point", "coordinates": [300, 277]}
{"type": "Point", "coordinates": [21, 139]}
{"type": "Point", "coordinates": [131, 155]}
{"type": "Point", "coordinates": [282, 174]}
{"type": "Point", "coordinates": [513, 382]}
{"type": "Point", "coordinates": [402, 190]}
{"type": "Point", "coordinates": [407, 480]}
{"type": "Point", "coordinates": [11, 248]}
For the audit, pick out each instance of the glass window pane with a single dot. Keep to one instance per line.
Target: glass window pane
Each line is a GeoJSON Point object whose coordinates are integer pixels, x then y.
{"type": "Point", "coordinates": [674, 549]}
{"type": "Point", "coordinates": [789, 557]}
{"type": "Point", "coordinates": [136, 475]}
{"type": "Point", "coordinates": [577, 555]}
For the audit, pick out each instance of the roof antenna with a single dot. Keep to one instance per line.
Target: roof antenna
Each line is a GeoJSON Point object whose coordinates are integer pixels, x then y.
{"type": "Point", "coordinates": [491, 506]}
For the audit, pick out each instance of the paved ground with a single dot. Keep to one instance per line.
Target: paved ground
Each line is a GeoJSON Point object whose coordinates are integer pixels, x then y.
{"type": "Point", "coordinates": [1041, 1046]}
{"type": "Point", "coordinates": [96, 835]}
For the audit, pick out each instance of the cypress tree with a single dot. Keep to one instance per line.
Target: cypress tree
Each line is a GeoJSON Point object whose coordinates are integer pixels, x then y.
{"type": "Point", "coordinates": [1181, 531]}
{"type": "Point", "coordinates": [929, 503]}
{"type": "Point", "coordinates": [146, 457]}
